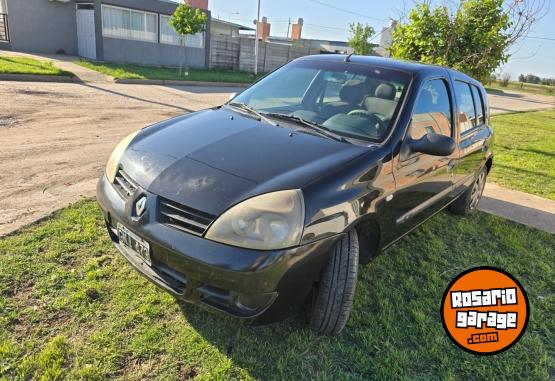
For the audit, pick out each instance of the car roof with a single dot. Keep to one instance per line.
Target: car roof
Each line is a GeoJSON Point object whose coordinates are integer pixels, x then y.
{"type": "Point", "coordinates": [407, 66]}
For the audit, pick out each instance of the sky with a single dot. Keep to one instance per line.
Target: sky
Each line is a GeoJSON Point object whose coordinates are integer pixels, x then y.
{"type": "Point", "coordinates": [322, 20]}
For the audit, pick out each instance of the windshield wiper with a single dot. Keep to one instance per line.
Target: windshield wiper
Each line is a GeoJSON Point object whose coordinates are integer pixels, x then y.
{"type": "Point", "coordinates": [316, 127]}
{"type": "Point", "coordinates": [253, 111]}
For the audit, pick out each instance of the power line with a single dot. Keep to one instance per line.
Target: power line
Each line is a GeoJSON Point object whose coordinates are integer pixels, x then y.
{"type": "Point", "coordinates": [541, 38]}
{"type": "Point", "coordinates": [346, 10]}
{"type": "Point", "coordinates": [325, 26]}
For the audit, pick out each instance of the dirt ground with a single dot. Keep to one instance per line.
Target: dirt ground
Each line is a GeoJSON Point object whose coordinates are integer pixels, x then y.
{"type": "Point", "coordinates": [55, 138]}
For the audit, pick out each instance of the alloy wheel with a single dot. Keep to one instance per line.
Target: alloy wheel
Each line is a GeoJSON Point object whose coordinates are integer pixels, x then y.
{"type": "Point", "coordinates": [477, 190]}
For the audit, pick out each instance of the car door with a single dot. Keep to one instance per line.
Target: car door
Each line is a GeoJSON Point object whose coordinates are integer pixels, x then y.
{"type": "Point", "coordinates": [474, 133]}
{"type": "Point", "coordinates": [423, 182]}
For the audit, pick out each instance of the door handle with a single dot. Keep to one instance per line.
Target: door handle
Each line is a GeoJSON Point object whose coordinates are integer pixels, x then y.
{"type": "Point", "coordinates": [451, 164]}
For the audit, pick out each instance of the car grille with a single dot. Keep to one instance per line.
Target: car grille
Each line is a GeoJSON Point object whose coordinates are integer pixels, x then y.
{"type": "Point", "coordinates": [183, 217]}
{"type": "Point", "coordinates": [124, 184]}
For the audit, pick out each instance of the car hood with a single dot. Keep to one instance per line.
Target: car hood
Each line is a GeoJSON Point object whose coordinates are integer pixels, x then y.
{"type": "Point", "coordinates": [212, 159]}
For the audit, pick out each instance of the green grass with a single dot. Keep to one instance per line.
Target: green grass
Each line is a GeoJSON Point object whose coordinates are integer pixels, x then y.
{"type": "Point", "coordinates": [129, 71]}
{"type": "Point", "coordinates": [71, 308]}
{"type": "Point", "coordinates": [524, 152]}
{"type": "Point", "coordinates": [496, 86]}
{"type": "Point", "coordinates": [24, 65]}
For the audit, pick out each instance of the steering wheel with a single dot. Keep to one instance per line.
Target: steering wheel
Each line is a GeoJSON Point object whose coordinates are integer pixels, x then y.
{"type": "Point", "coordinates": [360, 112]}
{"type": "Point", "coordinates": [373, 118]}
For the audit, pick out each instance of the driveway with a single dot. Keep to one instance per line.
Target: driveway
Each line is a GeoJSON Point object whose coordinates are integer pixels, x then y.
{"type": "Point", "coordinates": [55, 138]}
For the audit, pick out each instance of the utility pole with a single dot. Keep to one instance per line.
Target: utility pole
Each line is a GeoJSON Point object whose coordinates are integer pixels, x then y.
{"type": "Point", "coordinates": [288, 26]}
{"type": "Point", "coordinates": [256, 40]}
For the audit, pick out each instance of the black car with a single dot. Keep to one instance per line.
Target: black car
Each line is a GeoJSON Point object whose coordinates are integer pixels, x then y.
{"type": "Point", "coordinates": [270, 202]}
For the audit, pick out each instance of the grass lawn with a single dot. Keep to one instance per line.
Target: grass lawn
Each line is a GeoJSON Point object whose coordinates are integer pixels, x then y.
{"type": "Point", "coordinates": [522, 87]}
{"type": "Point", "coordinates": [71, 308]}
{"type": "Point", "coordinates": [129, 71]}
{"type": "Point", "coordinates": [525, 152]}
{"type": "Point", "coordinates": [24, 65]}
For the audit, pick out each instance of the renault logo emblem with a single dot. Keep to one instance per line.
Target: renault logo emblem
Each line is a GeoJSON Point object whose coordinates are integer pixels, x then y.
{"type": "Point", "coordinates": [140, 206]}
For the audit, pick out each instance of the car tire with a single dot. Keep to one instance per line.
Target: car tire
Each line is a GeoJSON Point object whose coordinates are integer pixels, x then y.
{"type": "Point", "coordinates": [332, 300]}
{"type": "Point", "coordinates": [467, 203]}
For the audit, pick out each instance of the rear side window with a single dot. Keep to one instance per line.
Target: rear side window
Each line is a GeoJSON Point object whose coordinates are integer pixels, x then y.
{"type": "Point", "coordinates": [432, 113]}
{"type": "Point", "coordinates": [467, 114]}
{"type": "Point", "coordinates": [478, 105]}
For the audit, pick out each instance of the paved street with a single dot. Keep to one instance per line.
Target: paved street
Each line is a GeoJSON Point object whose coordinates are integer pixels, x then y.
{"type": "Point", "coordinates": [510, 101]}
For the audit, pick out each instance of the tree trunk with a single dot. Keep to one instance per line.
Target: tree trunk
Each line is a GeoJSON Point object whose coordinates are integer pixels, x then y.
{"type": "Point", "coordinates": [185, 58]}
{"type": "Point", "coordinates": [182, 43]}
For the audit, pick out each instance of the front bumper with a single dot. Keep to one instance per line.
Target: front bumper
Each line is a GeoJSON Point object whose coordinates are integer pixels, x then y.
{"type": "Point", "coordinates": [258, 286]}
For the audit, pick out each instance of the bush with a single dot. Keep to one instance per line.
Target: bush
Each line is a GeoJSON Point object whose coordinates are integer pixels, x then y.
{"type": "Point", "coordinates": [505, 78]}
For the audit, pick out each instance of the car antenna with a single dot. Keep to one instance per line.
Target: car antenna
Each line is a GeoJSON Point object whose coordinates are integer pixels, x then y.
{"type": "Point", "coordinates": [348, 58]}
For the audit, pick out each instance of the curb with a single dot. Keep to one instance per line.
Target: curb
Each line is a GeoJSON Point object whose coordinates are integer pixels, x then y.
{"type": "Point", "coordinates": [38, 78]}
{"type": "Point", "coordinates": [173, 82]}
{"type": "Point", "coordinates": [161, 82]}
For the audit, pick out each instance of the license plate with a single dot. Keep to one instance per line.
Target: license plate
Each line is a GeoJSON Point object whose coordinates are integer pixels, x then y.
{"type": "Point", "coordinates": [134, 243]}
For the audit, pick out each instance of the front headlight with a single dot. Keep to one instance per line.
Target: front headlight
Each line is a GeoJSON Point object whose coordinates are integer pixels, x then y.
{"type": "Point", "coordinates": [115, 157]}
{"type": "Point", "coordinates": [267, 222]}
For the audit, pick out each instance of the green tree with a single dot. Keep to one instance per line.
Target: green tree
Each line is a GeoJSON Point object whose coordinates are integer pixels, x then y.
{"type": "Point", "coordinates": [360, 34]}
{"type": "Point", "coordinates": [187, 20]}
{"type": "Point", "coordinates": [473, 38]}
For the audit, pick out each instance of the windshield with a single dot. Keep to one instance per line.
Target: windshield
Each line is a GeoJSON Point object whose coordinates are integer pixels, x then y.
{"type": "Point", "coordinates": [348, 99]}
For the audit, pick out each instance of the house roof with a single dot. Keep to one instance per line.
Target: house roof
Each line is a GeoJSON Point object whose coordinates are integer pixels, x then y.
{"type": "Point", "coordinates": [231, 24]}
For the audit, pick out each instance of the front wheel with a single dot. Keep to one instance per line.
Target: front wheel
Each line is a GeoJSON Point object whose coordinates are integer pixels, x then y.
{"type": "Point", "coordinates": [333, 299]}
{"type": "Point", "coordinates": [467, 202]}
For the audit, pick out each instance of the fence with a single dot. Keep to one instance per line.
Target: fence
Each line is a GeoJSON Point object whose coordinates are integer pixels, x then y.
{"type": "Point", "coordinates": [4, 32]}
{"type": "Point", "coordinates": [237, 53]}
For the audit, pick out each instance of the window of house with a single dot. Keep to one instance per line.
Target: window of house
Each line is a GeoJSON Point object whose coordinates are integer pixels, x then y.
{"type": "Point", "coordinates": [432, 113]}
{"type": "Point", "coordinates": [467, 114]}
{"type": "Point", "coordinates": [129, 24]}
{"type": "Point", "coordinates": [478, 105]}
{"type": "Point", "coordinates": [169, 36]}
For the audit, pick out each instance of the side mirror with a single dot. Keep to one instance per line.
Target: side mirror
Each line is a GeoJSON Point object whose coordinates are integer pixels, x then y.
{"type": "Point", "coordinates": [433, 144]}
{"type": "Point", "coordinates": [232, 95]}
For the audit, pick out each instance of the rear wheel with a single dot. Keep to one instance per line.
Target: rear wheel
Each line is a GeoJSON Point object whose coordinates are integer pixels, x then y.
{"type": "Point", "coordinates": [467, 202]}
{"type": "Point", "coordinates": [332, 301]}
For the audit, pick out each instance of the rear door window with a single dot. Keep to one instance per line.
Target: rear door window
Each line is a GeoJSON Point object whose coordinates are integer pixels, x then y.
{"type": "Point", "coordinates": [467, 114]}
{"type": "Point", "coordinates": [478, 105]}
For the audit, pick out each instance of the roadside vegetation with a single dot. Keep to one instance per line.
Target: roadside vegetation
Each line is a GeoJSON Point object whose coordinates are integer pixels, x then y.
{"type": "Point", "coordinates": [25, 65]}
{"type": "Point", "coordinates": [525, 152]}
{"type": "Point", "coordinates": [130, 71]}
{"type": "Point", "coordinates": [71, 307]}
{"type": "Point", "coordinates": [532, 88]}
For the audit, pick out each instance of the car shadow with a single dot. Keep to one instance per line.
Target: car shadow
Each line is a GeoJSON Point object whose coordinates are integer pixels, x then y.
{"type": "Point", "coordinates": [255, 348]}
{"type": "Point", "coordinates": [289, 349]}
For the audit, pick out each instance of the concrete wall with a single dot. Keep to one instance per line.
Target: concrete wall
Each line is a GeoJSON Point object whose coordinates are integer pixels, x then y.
{"type": "Point", "coordinates": [238, 53]}
{"type": "Point", "coordinates": [155, 6]}
{"type": "Point", "coordinates": [149, 53]}
{"type": "Point", "coordinates": [42, 26]}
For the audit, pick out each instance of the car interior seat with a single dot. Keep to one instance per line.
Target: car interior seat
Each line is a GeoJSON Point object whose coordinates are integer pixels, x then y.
{"type": "Point", "coordinates": [351, 95]}
{"type": "Point", "coordinates": [383, 102]}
